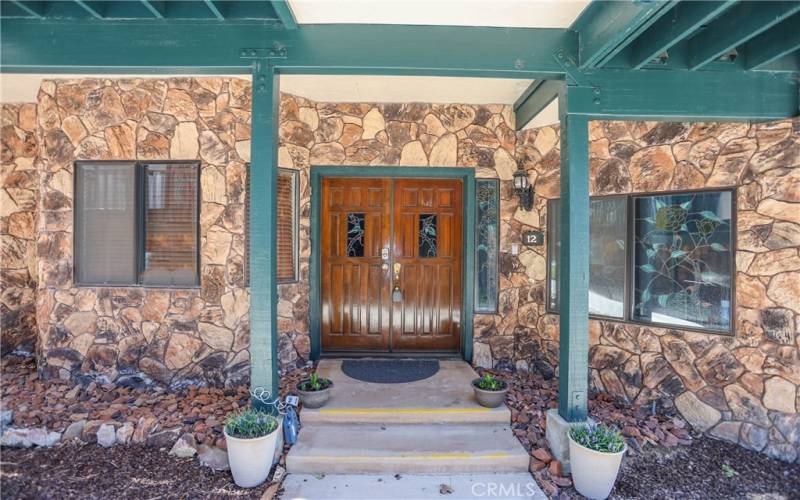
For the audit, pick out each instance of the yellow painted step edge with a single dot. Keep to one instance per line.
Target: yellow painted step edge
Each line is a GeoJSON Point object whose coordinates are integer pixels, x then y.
{"type": "Point", "coordinates": [403, 410]}
{"type": "Point", "coordinates": [432, 456]}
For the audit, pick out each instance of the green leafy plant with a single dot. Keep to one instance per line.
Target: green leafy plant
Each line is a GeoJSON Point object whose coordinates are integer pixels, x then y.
{"type": "Point", "coordinates": [250, 424]}
{"type": "Point", "coordinates": [489, 383]}
{"type": "Point", "coordinates": [598, 438]}
{"type": "Point", "coordinates": [728, 471]}
{"type": "Point", "coordinates": [314, 383]}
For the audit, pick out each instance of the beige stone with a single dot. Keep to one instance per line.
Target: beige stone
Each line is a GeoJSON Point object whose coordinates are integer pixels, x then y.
{"type": "Point", "coordinates": [180, 350]}
{"type": "Point", "coordinates": [327, 153]}
{"type": "Point", "coordinates": [180, 105]}
{"type": "Point", "coordinates": [445, 152]}
{"type": "Point", "coordinates": [73, 127]}
{"type": "Point", "coordinates": [413, 154]}
{"type": "Point", "coordinates": [529, 218]}
{"type": "Point", "coordinates": [309, 116]}
{"type": "Point", "coordinates": [535, 265]}
{"type": "Point", "coordinates": [217, 337]}
{"type": "Point", "coordinates": [781, 210]}
{"type": "Point", "coordinates": [546, 139]}
{"type": "Point", "coordinates": [217, 246]}
{"type": "Point", "coordinates": [121, 141]}
{"type": "Point", "coordinates": [699, 415]}
{"type": "Point", "coordinates": [784, 289]}
{"type": "Point", "coordinates": [780, 395]}
{"type": "Point", "coordinates": [504, 164]}
{"type": "Point", "coordinates": [652, 168]}
{"type": "Point", "coordinates": [235, 306]}
{"type": "Point", "coordinates": [771, 263]}
{"type": "Point", "coordinates": [433, 125]}
{"type": "Point", "coordinates": [243, 150]}
{"type": "Point", "coordinates": [212, 183]}
{"type": "Point", "coordinates": [373, 123]}
{"type": "Point", "coordinates": [212, 149]}
{"type": "Point", "coordinates": [184, 144]}
{"type": "Point", "coordinates": [79, 323]}
{"type": "Point", "coordinates": [750, 292]}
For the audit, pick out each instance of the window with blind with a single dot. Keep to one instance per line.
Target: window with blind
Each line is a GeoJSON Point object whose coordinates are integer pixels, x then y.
{"type": "Point", "coordinates": [137, 223]}
{"type": "Point", "coordinates": [287, 226]}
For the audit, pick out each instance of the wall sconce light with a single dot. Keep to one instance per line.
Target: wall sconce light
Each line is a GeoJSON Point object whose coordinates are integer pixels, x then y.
{"type": "Point", "coordinates": [523, 189]}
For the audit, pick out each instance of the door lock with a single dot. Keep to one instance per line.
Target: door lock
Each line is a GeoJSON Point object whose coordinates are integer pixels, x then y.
{"type": "Point", "coordinates": [397, 293]}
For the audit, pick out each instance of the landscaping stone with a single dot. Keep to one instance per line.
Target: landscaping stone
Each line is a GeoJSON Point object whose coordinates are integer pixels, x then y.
{"type": "Point", "coordinates": [125, 433]}
{"type": "Point", "coordinates": [213, 457]}
{"type": "Point", "coordinates": [184, 447]}
{"type": "Point", "coordinates": [25, 438]}
{"type": "Point", "coordinates": [106, 436]}
{"type": "Point", "coordinates": [74, 430]}
{"type": "Point", "coordinates": [700, 415]}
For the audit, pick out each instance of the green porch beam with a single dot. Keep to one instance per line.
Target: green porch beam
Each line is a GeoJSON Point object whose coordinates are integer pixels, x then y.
{"type": "Point", "coordinates": [683, 21]}
{"type": "Point", "coordinates": [34, 9]}
{"type": "Point", "coordinates": [158, 9]}
{"type": "Point", "coordinates": [209, 45]}
{"type": "Point", "coordinates": [535, 98]}
{"type": "Point", "coordinates": [681, 95]}
{"type": "Point", "coordinates": [767, 47]}
{"type": "Point", "coordinates": [215, 10]}
{"type": "Point", "coordinates": [734, 28]}
{"type": "Point", "coordinates": [605, 28]}
{"type": "Point", "coordinates": [93, 8]}
{"type": "Point", "coordinates": [573, 275]}
{"type": "Point", "coordinates": [263, 228]}
{"type": "Point", "coordinates": [284, 13]}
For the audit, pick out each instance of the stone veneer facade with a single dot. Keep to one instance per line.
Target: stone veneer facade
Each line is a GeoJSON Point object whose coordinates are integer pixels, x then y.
{"type": "Point", "coordinates": [743, 388]}
{"type": "Point", "coordinates": [145, 335]}
{"type": "Point", "coordinates": [19, 192]}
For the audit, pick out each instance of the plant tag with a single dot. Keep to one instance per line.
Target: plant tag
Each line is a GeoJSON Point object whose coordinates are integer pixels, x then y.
{"type": "Point", "coordinates": [292, 400]}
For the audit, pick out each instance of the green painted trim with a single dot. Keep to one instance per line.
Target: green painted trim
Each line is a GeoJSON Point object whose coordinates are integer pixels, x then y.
{"type": "Point", "coordinates": [33, 10]}
{"type": "Point", "coordinates": [466, 174]}
{"type": "Point", "coordinates": [783, 39]}
{"type": "Point", "coordinates": [735, 27]}
{"type": "Point", "coordinates": [686, 95]}
{"type": "Point", "coordinates": [534, 100]}
{"type": "Point", "coordinates": [320, 49]}
{"type": "Point", "coordinates": [606, 28]}
{"type": "Point", "coordinates": [263, 228]}
{"type": "Point", "coordinates": [284, 12]}
{"type": "Point", "coordinates": [215, 10]}
{"type": "Point", "coordinates": [682, 22]}
{"type": "Point", "coordinates": [156, 8]}
{"type": "Point", "coordinates": [573, 277]}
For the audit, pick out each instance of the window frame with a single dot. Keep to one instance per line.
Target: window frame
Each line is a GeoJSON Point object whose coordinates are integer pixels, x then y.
{"type": "Point", "coordinates": [139, 216]}
{"type": "Point", "coordinates": [295, 173]}
{"type": "Point", "coordinates": [628, 302]}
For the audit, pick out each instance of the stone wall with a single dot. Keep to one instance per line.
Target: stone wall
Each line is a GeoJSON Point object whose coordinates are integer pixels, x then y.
{"type": "Point", "coordinates": [19, 191]}
{"type": "Point", "coordinates": [742, 388]}
{"type": "Point", "coordinates": [363, 134]}
{"type": "Point", "coordinates": [141, 335]}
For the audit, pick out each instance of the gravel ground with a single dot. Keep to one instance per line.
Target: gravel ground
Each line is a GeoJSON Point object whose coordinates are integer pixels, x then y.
{"type": "Point", "coordinates": [92, 472]}
{"type": "Point", "coordinates": [699, 471]}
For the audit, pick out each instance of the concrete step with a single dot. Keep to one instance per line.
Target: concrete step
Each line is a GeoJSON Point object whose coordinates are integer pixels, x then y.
{"type": "Point", "coordinates": [446, 397]}
{"type": "Point", "coordinates": [404, 448]}
{"type": "Point", "coordinates": [410, 487]}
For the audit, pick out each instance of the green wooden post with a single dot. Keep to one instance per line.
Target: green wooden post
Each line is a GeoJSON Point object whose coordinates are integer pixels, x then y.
{"type": "Point", "coordinates": [263, 248]}
{"type": "Point", "coordinates": [574, 273]}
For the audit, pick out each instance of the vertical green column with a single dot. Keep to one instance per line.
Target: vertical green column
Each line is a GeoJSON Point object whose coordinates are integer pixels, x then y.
{"type": "Point", "coordinates": [574, 272]}
{"type": "Point", "coordinates": [263, 248]}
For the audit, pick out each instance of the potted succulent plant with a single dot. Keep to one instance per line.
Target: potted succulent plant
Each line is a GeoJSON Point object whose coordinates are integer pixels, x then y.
{"type": "Point", "coordinates": [595, 454]}
{"type": "Point", "coordinates": [250, 437]}
{"type": "Point", "coordinates": [489, 391]}
{"type": "Point", "coordinates": [314, 391]}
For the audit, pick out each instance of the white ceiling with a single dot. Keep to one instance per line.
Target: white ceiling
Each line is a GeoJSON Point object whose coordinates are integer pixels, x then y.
{"type": "Point", "coordinates": [501, 13]}
{"type": "Point", "coordinates": [346, 88]}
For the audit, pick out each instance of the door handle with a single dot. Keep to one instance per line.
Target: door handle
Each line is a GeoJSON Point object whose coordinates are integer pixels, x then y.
{"type": "Point", "coordinates": [397, 293]}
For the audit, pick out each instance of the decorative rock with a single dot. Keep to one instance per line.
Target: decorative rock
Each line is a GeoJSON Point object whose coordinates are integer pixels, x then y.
{"type": "Point", "coordinates": [213, 457]}
{"type": "Point", "coordinates": [779, 394]}
{"type": "Point", "coordinates": [373, 123]}
{"type": "Point", "coordinates": [413, 154]}
{"type": "Point", "coordinates": [184, 142]}
{"type": "Point", "coordinates": [164, 439]}
{"type": "Point", "coordinates": [729, 431]}
{"type": "Point", "coordinates": [25, 438]}
{"type": "Point", "coordinates": [185, 446]}
{"type": "Point", "coordinates": [125, 433]}
{"type": "Point", "coordinates": [700, 415]}
{"type": "Point", "coordinates": [74, 431]}
{"type": "Point", "coordinates": [6, 417]}
{"type": "Point", "coordinates": [745, 406]}
{"type": "Point", "coordinates": [445, 151]}
{"type": "Point", "coordinates": [106, 436]}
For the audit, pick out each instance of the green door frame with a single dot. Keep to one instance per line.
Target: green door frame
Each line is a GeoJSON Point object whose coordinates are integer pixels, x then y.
{"type": "Point", "coordinates": [468, 243]}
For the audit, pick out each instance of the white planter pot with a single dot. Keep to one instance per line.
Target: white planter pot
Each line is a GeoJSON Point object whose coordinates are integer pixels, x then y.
{"type": "Point", "coordinates": [593, 472]}
{"type": "Point", "coordinates": [251, 459]}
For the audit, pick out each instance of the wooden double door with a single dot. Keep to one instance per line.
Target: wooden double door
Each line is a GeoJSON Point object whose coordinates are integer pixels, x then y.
{"type": "Point", "coordinates": [391, 264]}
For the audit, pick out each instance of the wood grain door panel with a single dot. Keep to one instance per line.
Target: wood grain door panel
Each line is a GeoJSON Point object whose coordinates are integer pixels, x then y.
{"type": "Point", "coordinates": [357, 310]}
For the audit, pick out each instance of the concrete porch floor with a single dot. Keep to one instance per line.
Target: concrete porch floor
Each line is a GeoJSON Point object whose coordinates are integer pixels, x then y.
{"type": "Point", "coordinates": [446, 397]}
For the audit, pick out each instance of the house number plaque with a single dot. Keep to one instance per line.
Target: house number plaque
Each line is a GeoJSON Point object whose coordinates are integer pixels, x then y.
{"type": "Point", "coordinates": [532, 238]}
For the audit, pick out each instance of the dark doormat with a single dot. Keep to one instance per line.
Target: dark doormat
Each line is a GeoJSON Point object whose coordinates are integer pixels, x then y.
{"type": "Point", "coordinates": [390, 371]}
